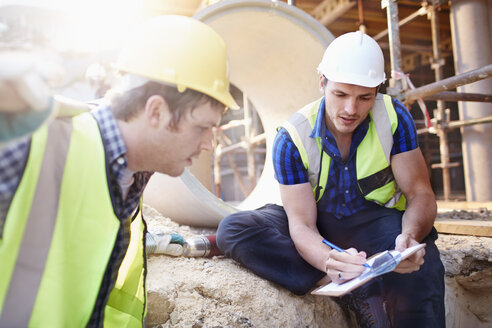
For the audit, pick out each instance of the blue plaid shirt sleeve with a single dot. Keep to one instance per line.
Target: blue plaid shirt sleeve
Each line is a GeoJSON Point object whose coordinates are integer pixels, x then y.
{"type": "Point", "coordinates": [287, 162]}
{"type": "Point", "coordinates": [13, 158]}
{"type": "Point", "coordinates": [405, 137]}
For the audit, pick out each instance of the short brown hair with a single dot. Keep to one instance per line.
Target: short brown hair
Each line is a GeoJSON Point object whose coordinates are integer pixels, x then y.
{"type": "Point", "coordinates": [128, 104]}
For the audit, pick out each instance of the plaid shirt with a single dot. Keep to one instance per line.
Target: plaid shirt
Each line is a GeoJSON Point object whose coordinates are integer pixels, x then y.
{"type": "Point", "coordinates": [13, 159]}
{"type": "Point", "coordinates": [341, 197]}
{"type": "Point", "coordinates": [115, 152]}
{"type": "Point", "coordinates": [12, 163]}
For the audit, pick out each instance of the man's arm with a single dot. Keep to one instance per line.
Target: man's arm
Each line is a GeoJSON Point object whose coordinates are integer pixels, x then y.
{"type": "Point", "coordinates": [300, 206]}
{"type": "Point", "coordinates": [412, 178]}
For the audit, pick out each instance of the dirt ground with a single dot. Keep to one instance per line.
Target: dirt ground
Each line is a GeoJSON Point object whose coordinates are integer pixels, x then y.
{"type": "Point", "coordinates": [217, 292]}
{"type": "Point", "coordinates": [481, 213]}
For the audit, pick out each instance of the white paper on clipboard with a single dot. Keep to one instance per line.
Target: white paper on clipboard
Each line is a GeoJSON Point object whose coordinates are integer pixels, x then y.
{"type": "Point", "coordinates": [333, 289]}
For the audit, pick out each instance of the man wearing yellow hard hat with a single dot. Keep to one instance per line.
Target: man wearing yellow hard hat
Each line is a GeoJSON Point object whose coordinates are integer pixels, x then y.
{"type": "Point", "coordinates": [351, 176]}
{"type": "Point", "coordinates": [72, 236]}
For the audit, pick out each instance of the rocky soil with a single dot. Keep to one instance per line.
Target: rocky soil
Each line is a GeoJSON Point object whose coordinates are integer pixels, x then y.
{"type": "Point", "coordinates": [217, 292]}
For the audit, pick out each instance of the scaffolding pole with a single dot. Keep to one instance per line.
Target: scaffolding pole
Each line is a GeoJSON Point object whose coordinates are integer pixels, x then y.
{"type": "Point", "coordinates": [250, 147]}
{"type": "Point", "coordinates": [422, 11]}
{"type": "Point", "coordinates": [438, 90]}
{"type": "Point", "coordinates": [451, 96]}
{"type": "Point", "coordinates": [442, 119]}
{"type": "Point", "coordinates": [362, 22]}
{"type": "Point", "coordinates": [249, 143]}
{"type": "Point", "coordinates": [449, 83]}
{"type": "Point", "coordinates": [395, 85]}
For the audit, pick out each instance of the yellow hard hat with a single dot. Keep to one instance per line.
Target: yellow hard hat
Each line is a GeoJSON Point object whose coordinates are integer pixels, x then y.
{"type": "Point", "coordinates": [182, 51]}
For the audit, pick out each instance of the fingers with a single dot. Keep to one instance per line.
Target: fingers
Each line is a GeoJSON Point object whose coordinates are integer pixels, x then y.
{"type": "Point", "coordinates": [403, 241]}
{"type": "Point", "coordinates": [340, 277]}
{"type": "Point", "coordinates": [413, 262]}
{"type": "Point", "coordinates": [341, 266]}
{"type": "Point", "coordinates": [350, 256]}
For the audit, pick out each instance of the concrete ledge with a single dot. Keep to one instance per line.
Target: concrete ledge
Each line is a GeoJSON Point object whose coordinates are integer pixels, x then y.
{"type": "Point", "coordinates": [217, 292]}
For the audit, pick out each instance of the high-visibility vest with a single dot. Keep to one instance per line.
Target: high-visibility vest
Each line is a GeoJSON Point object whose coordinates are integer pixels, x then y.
{"type": "Point", "coordinates": [375, 179]}
{"type": "Point", "coordinates": [59, 233]}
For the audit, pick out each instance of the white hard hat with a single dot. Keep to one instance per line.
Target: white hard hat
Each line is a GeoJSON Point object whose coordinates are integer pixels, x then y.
{"type": "Point", "coordinates": [354, 58]}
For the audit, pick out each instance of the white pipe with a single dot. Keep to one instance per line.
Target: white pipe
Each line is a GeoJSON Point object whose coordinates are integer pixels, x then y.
{"type": "Point", "coordinates": [274, 49]}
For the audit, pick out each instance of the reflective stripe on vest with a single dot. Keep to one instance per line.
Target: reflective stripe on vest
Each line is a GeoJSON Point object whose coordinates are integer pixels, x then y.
{"type": "Point", "coordinates": [82, 235]}
{"type": "Point", "coordinates": [38, 231]}
{"type": "Point", "coordinates": [300, 125]}
{"type": "Point", "coordinates": [374, 175]}
{"type": "Point", "coordinates": [127, 302]}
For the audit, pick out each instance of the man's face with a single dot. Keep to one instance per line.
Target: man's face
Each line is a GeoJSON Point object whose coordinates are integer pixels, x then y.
{"type": "Point", "coordinates": [347, 105]}
{"type": "Point", "coordinates": [193, 134]}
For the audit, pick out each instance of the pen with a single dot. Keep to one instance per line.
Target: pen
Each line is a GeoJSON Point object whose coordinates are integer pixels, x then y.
{"type": "Point", "coordinates": [335, 247]}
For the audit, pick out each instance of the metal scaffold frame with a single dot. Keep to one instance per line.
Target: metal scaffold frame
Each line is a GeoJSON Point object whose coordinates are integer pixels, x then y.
{"type": "Point", "coordinates": [224, 146]}
{"type": "Point", "coordinates": [438, 90]}
{"type": "Point", "coordinates": [400, 87]}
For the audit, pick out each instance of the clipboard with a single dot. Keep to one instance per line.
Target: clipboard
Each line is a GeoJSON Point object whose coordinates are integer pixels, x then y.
{"type": "Point", "coordinates": [380, 263]}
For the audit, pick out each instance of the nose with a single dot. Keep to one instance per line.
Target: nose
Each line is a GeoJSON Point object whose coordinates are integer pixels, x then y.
{"type": "Point", "coordinates": [351, 106]}
{"type": "Point", "coordinates": [206, 143]}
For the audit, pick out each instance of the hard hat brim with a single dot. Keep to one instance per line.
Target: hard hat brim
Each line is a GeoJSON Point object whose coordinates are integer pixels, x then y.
{"type": "Point", "coordinates": [354, 79]}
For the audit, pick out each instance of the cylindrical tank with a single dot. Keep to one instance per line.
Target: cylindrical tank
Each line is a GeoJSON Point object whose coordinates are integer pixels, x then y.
{"type": "Point", "coordinates": [274, 49]}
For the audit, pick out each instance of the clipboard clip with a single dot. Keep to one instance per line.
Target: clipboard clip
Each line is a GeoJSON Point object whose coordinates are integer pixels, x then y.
{"type": "Point", "coordinates": [384, 263]}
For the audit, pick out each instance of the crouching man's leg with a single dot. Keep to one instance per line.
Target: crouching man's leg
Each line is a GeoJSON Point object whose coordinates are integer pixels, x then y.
{"type": "Point", "coordinates": [417, 299]}
{"type": "Point", "coordinates": [260, 241]}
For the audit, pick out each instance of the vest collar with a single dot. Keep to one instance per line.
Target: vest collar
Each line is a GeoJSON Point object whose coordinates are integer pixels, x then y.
{"type": "Point", "coordinates": [329, 143]}
{"type": "Point", "coordinates": [320, 121]}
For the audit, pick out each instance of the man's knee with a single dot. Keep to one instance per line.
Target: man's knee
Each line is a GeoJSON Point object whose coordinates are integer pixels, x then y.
{"type": "Point", "coordinates": [421, 294]}
{"type": "Point", "coordinates": [230, 229]}
{"type": "Point", "coordinates": [300, 288]}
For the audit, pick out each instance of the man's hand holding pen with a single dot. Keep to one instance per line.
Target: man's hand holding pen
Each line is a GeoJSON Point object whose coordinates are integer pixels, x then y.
{"type": "Point", "coordinates": [343, 265]}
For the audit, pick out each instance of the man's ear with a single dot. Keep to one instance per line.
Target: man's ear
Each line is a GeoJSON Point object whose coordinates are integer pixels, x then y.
{"type": "Point", "coordinates": [378, 88]}
{"type": "Point", "coordinates": [157, 111]}
{"type": "Point", "coordinates": [322, 84]}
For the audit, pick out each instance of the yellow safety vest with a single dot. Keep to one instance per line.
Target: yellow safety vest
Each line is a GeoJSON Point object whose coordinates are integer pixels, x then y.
{"type": "Point", "coordinates": [373, 159]}
{"type": "Point", "coordinates": [59, 233]}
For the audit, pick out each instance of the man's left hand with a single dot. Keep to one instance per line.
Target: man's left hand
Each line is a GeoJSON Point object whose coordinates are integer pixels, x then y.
{"type": "Point", "coordinates": [413, 262]}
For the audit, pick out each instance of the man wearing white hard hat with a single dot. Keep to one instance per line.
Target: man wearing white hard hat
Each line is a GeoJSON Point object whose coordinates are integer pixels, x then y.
{"type": "Point", "coordinates": [350, 173]}
{"type": "Point", "coordinates": [72, 235]}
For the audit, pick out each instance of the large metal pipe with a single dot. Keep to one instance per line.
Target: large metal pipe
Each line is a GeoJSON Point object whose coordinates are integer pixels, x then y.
{"type": "Point", "coordinates": [471, 29]}
{"type": "Point", "coordinates": [274, 49]}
